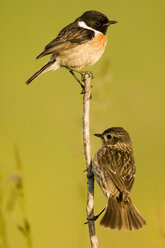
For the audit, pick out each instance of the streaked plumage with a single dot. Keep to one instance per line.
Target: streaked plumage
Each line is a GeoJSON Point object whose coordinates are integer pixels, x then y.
{"type": "Point", "coordinates": [114, 170]}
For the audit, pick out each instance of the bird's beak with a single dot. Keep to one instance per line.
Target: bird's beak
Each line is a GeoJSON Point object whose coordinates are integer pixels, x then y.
{"type": "Point", "coordinates": [98, 135]}
{"type": "Point", "coordinates": [111, 22]}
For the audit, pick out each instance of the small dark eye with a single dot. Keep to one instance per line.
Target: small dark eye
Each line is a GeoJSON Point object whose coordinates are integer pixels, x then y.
{"type": "Point", "coordinates": [98, 23]}
{"type": "Point", "coordinates": [109, 136]}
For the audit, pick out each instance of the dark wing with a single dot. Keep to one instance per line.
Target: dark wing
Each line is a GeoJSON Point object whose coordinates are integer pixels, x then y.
{"type": "Point", "coordinates": [68, 37]}
{"type": "Point", "coordinates": [119, 165]}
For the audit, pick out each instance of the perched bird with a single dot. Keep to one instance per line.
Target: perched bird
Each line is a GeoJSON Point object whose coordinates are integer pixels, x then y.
{"type": "Point", "coordinates": [78, 45]}
{"type": "Point", "coordinates": [114, 170]}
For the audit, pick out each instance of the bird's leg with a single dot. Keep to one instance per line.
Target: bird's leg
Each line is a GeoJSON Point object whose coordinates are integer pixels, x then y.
{"type": "Point", "coordinates": [83, 78]}
{"type": "Point", "coordinates": [95, 217]}
{"type": "Point", "coordinates": [83, 73]}
{"type": "Point", "coordinates": [74, 75]}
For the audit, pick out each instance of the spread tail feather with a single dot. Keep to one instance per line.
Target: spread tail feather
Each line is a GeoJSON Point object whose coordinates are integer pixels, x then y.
{"type": "Point", "coordinates": [43, 69]}
{"type": "Point", "coordinates": [122, 215]}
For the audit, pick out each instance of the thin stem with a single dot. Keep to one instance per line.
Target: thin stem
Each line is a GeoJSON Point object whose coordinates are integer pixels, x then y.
{"type": "Point", "coordinates": [87, 152]}
{"type": "Point", "coordinates": [24, 227]}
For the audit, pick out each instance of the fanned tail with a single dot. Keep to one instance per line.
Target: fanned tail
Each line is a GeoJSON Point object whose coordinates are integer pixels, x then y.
{"type": "Point", "coordinates": [43, 69]}
{"type": "Point", "coordinates": [122, 215]}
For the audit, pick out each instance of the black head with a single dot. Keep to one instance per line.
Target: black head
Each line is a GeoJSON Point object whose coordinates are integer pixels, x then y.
{"type": "Point", "coordinates": [96, 20]}
{"type": "Point", "coordinates": [115, 135]}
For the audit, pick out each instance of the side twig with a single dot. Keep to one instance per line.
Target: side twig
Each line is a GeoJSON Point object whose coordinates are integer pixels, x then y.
{"type": "Point", "coordinates": [87, 152]}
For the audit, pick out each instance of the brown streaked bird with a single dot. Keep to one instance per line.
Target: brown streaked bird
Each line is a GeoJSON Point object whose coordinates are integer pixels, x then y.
{"type": "Point", "coordinates": [78, 45]}
{"type": "Point", "coordinates": [114, 170]}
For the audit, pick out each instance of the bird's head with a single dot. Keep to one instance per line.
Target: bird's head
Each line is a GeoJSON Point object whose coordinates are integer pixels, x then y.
{"type": "Point", "coordinates": [117, 136]}
{"type": "Point", "coordinates": [94, 20]}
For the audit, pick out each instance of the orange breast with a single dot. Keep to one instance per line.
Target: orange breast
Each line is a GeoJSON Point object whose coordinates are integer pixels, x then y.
{"type": "Point", "coordinates": [100, 41]}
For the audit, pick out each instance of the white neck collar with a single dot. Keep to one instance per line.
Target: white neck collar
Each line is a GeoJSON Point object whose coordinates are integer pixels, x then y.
{"type": "Point", "coordinates": [83, 25]}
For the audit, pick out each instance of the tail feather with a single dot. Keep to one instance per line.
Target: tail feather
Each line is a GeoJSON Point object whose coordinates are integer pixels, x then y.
{"type": "Point", "coordinates": [126, 219]}
{"type": "Point", "coordinates": [43, 69]}
{"type": "Point", "coordinates": [112, 218]}
{"type": "Point", "coordinates": [41, 55]}
{"type": "Point", "coordinates": [106, 219]}
{"type": "Point", "coordinates": [117, 218]}
{"type": "Point", "coordinates": [122, 215]}
{"type": "Point", "coordinates": [134, 221]}
{"type": "Point", "coordinates": [119, 221]}
{"type": "Point", "coordinates": [138, 217]}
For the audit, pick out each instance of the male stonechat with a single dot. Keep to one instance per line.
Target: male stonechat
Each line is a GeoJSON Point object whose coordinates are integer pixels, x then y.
{"type": "Point", "coordinates": [114, 170]}
{"type": "Point", "coordinates": [78, 45]}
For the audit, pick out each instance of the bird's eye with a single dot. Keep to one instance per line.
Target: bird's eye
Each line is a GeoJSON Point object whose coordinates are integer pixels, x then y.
{"type": "Point", "coordinates": [98, 23]}
{"type": "Point", "coordinates": [109, 136]}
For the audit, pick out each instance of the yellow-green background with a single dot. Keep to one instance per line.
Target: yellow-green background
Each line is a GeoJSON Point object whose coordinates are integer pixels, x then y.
{"type": "Point", "coordinates": [44, 118]}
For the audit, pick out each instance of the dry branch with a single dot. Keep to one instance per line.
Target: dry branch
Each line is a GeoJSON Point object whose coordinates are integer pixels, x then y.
{"type": "Point", "coordinates": [87, 152]}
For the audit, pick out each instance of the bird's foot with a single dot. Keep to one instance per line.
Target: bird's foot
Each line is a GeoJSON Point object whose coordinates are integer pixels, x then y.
{"type": "Point", "coordinates": [85, 74]}
{"type": "Point", "coordinates": [95, 217]}
{"type": "Point", "coordinates": [90, 175]}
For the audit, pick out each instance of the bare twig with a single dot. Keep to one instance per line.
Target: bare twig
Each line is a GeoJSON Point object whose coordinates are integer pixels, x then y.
{"type": "Point", "coordinates": [87, 153]}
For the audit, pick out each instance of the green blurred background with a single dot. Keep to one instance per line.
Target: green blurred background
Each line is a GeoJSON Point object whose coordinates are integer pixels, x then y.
{"type": "Point", "coordinates": [44, 119]}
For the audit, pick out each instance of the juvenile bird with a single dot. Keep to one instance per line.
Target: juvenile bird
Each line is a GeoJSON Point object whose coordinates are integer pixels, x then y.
{"type": "Point", "coordinates": [114, 170]}
{"type": "Point", "coordinates": [78, 45]}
